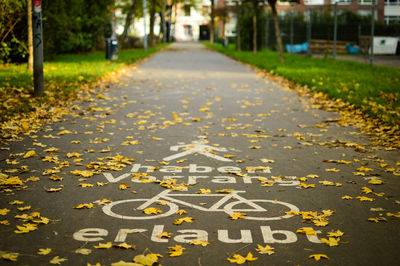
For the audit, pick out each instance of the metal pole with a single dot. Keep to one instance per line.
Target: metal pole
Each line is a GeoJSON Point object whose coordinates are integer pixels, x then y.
{"type": "Point", "coordinates": [335, 30]}
{"type": "Point", "coordinates": [291, 32]}
{"type": "Point", "coordinates": [371, 55]}
{"type": "Point", "coordinates": [309, 32]}
{"type": "Point", "coordinates": [38, 79]}
{"type": "Point", "coordinates": [144, 23]}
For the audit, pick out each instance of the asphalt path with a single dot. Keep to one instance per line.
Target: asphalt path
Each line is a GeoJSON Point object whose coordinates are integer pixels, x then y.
{"type": "Point", "coordinates": [272, 169]}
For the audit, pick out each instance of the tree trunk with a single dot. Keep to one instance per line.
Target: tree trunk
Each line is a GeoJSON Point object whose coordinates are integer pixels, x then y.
{"type": "Point", "coordinates": [164, 24]}
{"type": "Point", "coordinates": [255, 27]}
{"type": "Point", "coordinates": [212, 27]}
{"type": "Point", "coordinates": [128, 21]}
{"type": "Point", "coordinates": [277, 32]}
{"type": "Point", "coordinates": [30, 37]}
{"type": "Point", "coordinates": [238, 27]}
{"type": "Point", "coordinates": [152, 22]}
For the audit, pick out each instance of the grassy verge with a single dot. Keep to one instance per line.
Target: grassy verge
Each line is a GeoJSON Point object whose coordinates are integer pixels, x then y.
{"type": "Point", "coordinates": [373, 89]}
{"type": "Point", "coordinates": [62, 76]}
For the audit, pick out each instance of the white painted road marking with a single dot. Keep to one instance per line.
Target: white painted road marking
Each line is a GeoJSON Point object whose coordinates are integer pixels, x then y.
{"type": "Point", "coordinates": [197, 147]}
{"type": "Point", "coordinates": [218, 206]}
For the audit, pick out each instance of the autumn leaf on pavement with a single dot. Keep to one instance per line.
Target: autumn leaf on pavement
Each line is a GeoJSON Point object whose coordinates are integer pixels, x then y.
{"type": "Point", "coordinates": [164, 234]}
{"type": "Point", "coordinates": [26, 228]}
{"type": "Point", "coordinates": [332, 170]}
{"type": "Point", "coordinates": [375, 181]}
{"type": "Point", "coordinates": [10, 256]}
{"type": "Point", "coordinates": [377, 219]}
{"type": "Point", "coordinates": [152, 210]}
{"type": "Point", "coordinates": [58, 189]}
{"type": "Point", "coordinates": [346, 197]}
{"type": "Point", "coordinates": [180, 212]}
{"type": "Point", "coordinates": [147, 260]}
{"type": "Point", "coordinates": [238, 259]}
{"type": "Point", "coordinates": [103, 246]}
{"type": "Point", "coordinates": [29, 154]}
{"type": "Point", "coordinates": [57, 260]}
{"type": "Point", "coordinates": [185, 219]}
{"type": "Point", "coordinates": [332, 241]}
{"type": "Point", "coordinates": [44, 251]}
{"type": "Point", "coordinates": [199, 242]}
{"type": "Point", "coordinates": [237, 215]}
{"type": "Point", "coordinates": [338, 233]}
{"type": "Point", "coordinates": [307, 231]}
{"type": "Point", "coordinates": [265, 250]}
{"type": "Point", "coordinates": [84, 205]}
{"type": "Point", "coordinates": [304, 185]}
{"type": "Point", "coordinates": [397, 215]}
{"type": "Point", "coordinates": [125, 246]}
{"type": "Point", "coordinates": [327, 183]}
{"type": "Point", "coordinates": [176, 251]}
{"type": "Point", "coordinates": [204, 191]}
{"type": "Point", "coordinates": [317, 257]}
{"type": "Point", "coordinates": [4, 211]}
{"type": "Point", "coordinates": [83, 251]}
{"type": "Point", "coordinates": [362, 198]}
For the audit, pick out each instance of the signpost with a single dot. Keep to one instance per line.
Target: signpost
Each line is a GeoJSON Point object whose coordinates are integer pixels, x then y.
{"type": "Point", "coordinates": [38, 79]}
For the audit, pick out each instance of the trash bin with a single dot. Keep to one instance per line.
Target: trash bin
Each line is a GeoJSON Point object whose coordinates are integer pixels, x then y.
{"type": "Point", "coordinates": [111, 49]}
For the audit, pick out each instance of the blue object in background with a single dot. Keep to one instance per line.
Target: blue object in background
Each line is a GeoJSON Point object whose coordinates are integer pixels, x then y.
{"type": "Point", "coordinates": [352, 49]}
{"type": "Point", "coordinates": [297, 48]}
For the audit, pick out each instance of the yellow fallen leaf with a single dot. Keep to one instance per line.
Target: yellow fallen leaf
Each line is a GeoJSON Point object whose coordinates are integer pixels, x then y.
{"type": "Point", "coordinates": [338, 233]}
{"type": "Point", "coordinates": [332, 170]}
{"type": "Point", "coordinates": [83, 251]}
{"type": "Point", "coordinates": [164, 234]}
{"type": "Point", "coordinates": [180, 212]}
{"type": "Point", "coordinates": [307, 231]}
{"type": "Point", "coordinates": [317, 257]}
{"type": "Point", "coordinates": [375, 181]}
{"type": "Point", "coordinates": [26, 208]}
{"type": "Point", "coordinates": [125, 246]}
{"type": "Point", "coordinates": [57, 260]}
{"type": "Point", "coordinates": [4, 211]}
{"type": "Point", "coordinates": [304, 185]}
{"type": "Point", "coordinates": [265, 250]}
{"type": "Point", "coordinates": [152, 210]}
{"type": "Point", "coordinates": [29, 154]}
{"type": "Point", "coordinates": [85, 185]}
{"type": "Point", "coordinates": [84, 205]}
{"type": "Point", "coordinates": [185, 219]}
{"type": "Point", "coordinates": [44, 251]}
{"type": "Point", "coordinates": [397, 215]}
{"type": "Point", "coordinates": [363, 198]}
{"type": "Point", "coordinates": [313, 176]}
{"type": "Point", "coordinates": [204, 191]}
{"type": "Point", "coordinates": [327, 183]}
{"type": "Point", "coordinates": [331, 241]}
{"type": "Point", "coordinates": [238, 259]}
{"type": "Point", "coordinates": [147, 260]}
{"type": "Point", "coordinates": [347, 197]}
{"type": "Point", "coordinates": [237, 215]}
{"type": "Point", "coordinates": [103, 246]}
{"type": "Point", "coordinates": [199, 242]}
{"type": "Point", "coordinates": [176, 251]}
{"type": "Point", "coordinates": [10, 256]}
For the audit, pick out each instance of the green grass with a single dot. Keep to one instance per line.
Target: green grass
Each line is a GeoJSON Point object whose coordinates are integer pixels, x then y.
{"type": "Point", "coordinates": [374, 89]}
{"type": "Point", "coordinates": [62, 76]}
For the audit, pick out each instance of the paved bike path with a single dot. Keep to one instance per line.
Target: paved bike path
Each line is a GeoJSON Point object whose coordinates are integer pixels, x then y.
{"type": "Point", "coordinates": [190, 121]}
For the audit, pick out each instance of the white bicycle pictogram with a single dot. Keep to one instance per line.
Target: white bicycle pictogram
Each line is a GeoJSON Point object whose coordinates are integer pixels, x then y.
{"type": "Point", "coordinates": [221, 205]}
